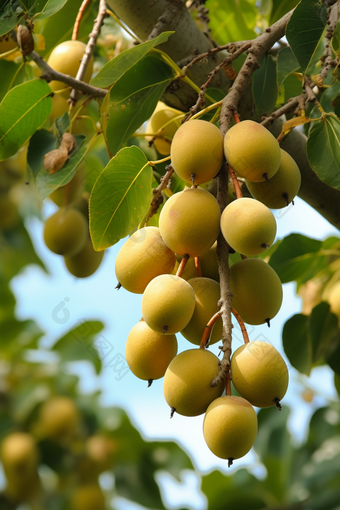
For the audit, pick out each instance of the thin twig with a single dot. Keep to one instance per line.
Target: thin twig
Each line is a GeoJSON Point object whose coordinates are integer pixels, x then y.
{"type": "Point", "coordinates": [241, 324]}
{"type": "Point", "coordinates": [235, 182]}
{"type": "Point", "coordinates": [78, 19]}
{"type": "Point", "coordinates": [292, 103]}
{"type": "Point", "coordinates": [157, 193]}
{"type": "Point", "coordinates": [207, 330]}
{"type": "Point", "coordinates": [182, 265]}
{"type": "Point", "coordinates": [311, 97]}
{"type": "Point", "coordinates": [90, 47]}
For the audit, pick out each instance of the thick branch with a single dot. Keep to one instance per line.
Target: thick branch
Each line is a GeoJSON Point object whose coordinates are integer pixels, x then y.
{"type": "Point", "coordinates": [292, 103]}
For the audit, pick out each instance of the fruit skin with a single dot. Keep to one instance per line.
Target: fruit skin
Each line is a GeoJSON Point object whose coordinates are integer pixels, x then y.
{"type": "Point", "coordinates": [66, 58]}
{"type": "Point", "coordinates": [163, 114]}
{"type": "Point", "coordinates": [248, 226]}
{"type": "Point", "coordinates": [189, 222]}
{"type": "Point", "coordinates": [66, 232]}
{"type": "Point", "coordinates": [88, 497]}
{"type": "Point", "coordinates": [257, 290]}
{"type": "Point", "coordinates": [230, 427]}
{"type": "Point", "coordinates": [197, 148]}
{"type": "Point", "coordinates": [168, 304]}
{"type": "Point", "coordinates": [252, 151]}
{"type": "Point", "coordinates": [59, 419]}
{"type": "Point", "coordinates": [187, 382]}
{"type": "Point", "coordinates": [100, 450]}
{"type": "Point", "coordinates": [259, 373]}
{"type": "Point", "coordinates": [141, 258]}
{"type": "Point", "coordinates": [282, 188]}
{"type": "Point", "coordinates": [148, 353]}
{"type": "Point", "coordinates": [86, 262]}
{"type": "Point", "coordinates": [207, 295]}
{"type": "Point", "coordinates": [334, 300]}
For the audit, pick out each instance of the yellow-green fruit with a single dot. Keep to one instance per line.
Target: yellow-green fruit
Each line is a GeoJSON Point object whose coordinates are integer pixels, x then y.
{"type": "Point", "coordinates": [143, 257]}
{"type": "Point", "coordinates": [197, 151]}
{"type": "Point", "coordinates": [282, 188]}
{"type": "Point", "coordinates": [66, 58]}
{"type": "Point", "coordinates": [86, 262]}
{"type": "Point", "coordinates": [59, 419]}
{"type": "Point", "coordinates": [19, 455]}
{"type": "Point", "coordinates": [161, 116]}
{"type": "Point", "coordinates": [148, 353]}
{"type": "Point", "coordinates": [13, 169]}
{"type": "Point", "coordinates": [66, 232]}
{"type": "Point", "coordinates": [207, 295]}
{"type": "Point", "coordinates": [257, 290]}
{"type": "Point", "coordinates": [101, 449]}
{"type": "Point", "coordinates": [248, 226]}
{"type": "Point", "coordinates": [230, 427]}
{"type": "Point", "coordinates": [168, 304]}
{"type": "Point", "coordinates": [72, 190]}
{"type": "Point", "coordinates": [252, 151]}
{"type": "Point", "coordinates": [334, 300]}
{"type": "Point", "coordinates": [259, 373]}
{"type": "Point", "coordinates": [88, 497]}
{"type": "Point", "coordinates": [190, 222]}
{"type": "Point", "coordinates": [8, 213]}
{"type": "Point", "coordinates": [187, 382]}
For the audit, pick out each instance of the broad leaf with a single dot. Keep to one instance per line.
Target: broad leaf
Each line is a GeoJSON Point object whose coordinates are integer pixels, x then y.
{"type": "Point", "coordinates": [134, 97]}
{"type": "Point", "coordinates": [50, 8]}
{"type": "Point", "coordinates": [232, 20]}
{"type": "Point", "coordinates": [119, 65]}
{"type": "Point", "coordinates": [323, 327]}
{"type": "Point", "coordinates": [9, 16]}
{"type": "Point", "coordinates": [323, 150]}
{"type": "Point", "coordinates": [305, 29]}
{"type": "Point", "coordinates": [297, 343]}
{"type": "Point", "coordinates": [329, 96]}
{"type": "Point", "coordinates": [280, 8]}
{"type": "Point", "coordinates": [120, 197]}
{"type": "Point", "coordinates": [42, 141]}
{"type": "Point", "coordinates": [287, 63]}
{"type": "Point", "coordinates": [22, 111]}
{"type": "Point", "coordinates": [265, 85]}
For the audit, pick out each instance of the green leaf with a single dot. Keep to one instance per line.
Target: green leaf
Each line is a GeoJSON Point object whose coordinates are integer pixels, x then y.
{"type": "Point", "coordinates": [50, 8]}
{"type": "Point", "coordinates": [7, 302]}
{"type": "Point", "coordinates": [295, 258]}
{"type": "Point", "coordinates": [232, 20]}
{"type": "Point", "coordinates": [336, 38]}
{"type": "Point", "coordinates": [280, 8]}
{"type": "Point", "coordinates": [287, 63]}
{"type": "Point", "coordinates": [118, 66]}
{"type": "Point", "coordinates": [297, 343]}
{"type": "Point", "coordinates": [8, 17]}
{"type": "Point", "coordinates": [18, 335]}
{"type": "Point", "coordinates": [265, 85]}
{"type": "Point", "coordinates": [292, 87]}
{"type": "Point", "coordinates": [120, 197]}
{"type": "Point", "coordinates": [46, 183]}
{"type": "Point", "coordinates": [7, 72]}
{"type": "Point", "coordinates": [84, 342]}
{"type": "Point", "coordinates": [323, 150]}
{"type": "Point", "coordinates": [305, 29]}
{"type": "Point", "coordinates": [328, 97]}
{"type": "Point", "coordinates": [41, 143]}
{"type": "Point", "coordinates": [323, 326]}
{"type": "Point", "coordinates": [22, 111]}
{"type": "Point", "coordinates": [134, 97]}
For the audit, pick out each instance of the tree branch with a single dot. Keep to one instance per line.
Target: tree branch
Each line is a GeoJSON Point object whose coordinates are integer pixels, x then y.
{"type": "Point", "coordinates": [327, 57]}
{"type": "Point", "coordinates": [292, 103]}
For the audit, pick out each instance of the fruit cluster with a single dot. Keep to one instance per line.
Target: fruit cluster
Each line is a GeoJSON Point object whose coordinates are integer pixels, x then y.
{"type": "Point", "coordinates": [172, 302]}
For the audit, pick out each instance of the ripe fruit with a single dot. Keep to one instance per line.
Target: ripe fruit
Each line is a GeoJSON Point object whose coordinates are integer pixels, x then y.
{"type": "Point", "coordinates": [66, 58]}
{"type": "Point", "coordinates": [197, 151]}
{"type": "Point", "coordinates": [257, 290]}
{"type": "Point", "coordinates": [59, 419]}
{"type": "Point", "coordinates": [252, 151]}
{"type": "Point", "coordinates": [85, 262]}
{"type": "Point", "coordinates": [101, 449]}
{"type": "Point", "coordinates": [334, 300]}
{"type": "Point", "coordinates": [168, 304]}
{"type": "Point", "coordinates": [148, 353]}
{"type": "Point", "coordinates": [72, 189]}
{"type": "Point", "coordinates": [66, 232]}
{"type": "Point", "coordinates": [259, 373]}
{"type": "Point", "coordinates": [207, 295]}
{"type": "Point", "coordinates": [143, 257]}
{"type": "Point", "coordinates": [189, 222]}
{"type": "Point", "coordinates": [230, 427]}
{"type": "Point", "coordinates": [248, 226]}
{"type": "Point", "coordinates": [88, 497]}
{"type": "Point", "coordinates": [161, 116]}
{"type": "Point", "coordinates": [187, 382]}
{"type": "Point", "coordinates": [281, 189]}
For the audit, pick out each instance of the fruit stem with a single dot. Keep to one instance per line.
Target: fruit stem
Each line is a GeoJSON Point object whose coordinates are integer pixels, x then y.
{"type": "Point", "coordinates": [182, 265]}
{"type": "Point", "coordinates": [235, 182]}
{"type": "Point", "coordinates": [78, 19]}
{"type": "Point", "coordinates": [207, 330]}
{"type": "Point", "coordinates": [277, 403]}
{"type": "Point", "coordinates": [153, 163]}
{"type": "Point", "coordinates": [198, 267]}
{"type": "Point", "coordinates": [236, 117]}
{"type": "Point", "coordinates": [150, 381]}
{"type": "Point", "coordinates": [228, 384]}
{"type": "Point", "coordinates": [242, 326]}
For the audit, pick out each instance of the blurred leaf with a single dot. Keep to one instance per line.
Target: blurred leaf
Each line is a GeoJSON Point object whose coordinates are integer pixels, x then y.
{"type": "Point", "coordinates": [292, 87]}
{"type": "Point", "coordinates": [24, 73]}
{"type": "Point", "coordinates": [323, 150]}
{"type": "Point", "coordinates": [232, 20]}
{"type": "Point", "coordinates": [323, 326]}
{"type": "Point", "coordinates": [22, 111]}
{"type": "Point", "coordinates": [280, 8]}
{"type": "Point", "coordinates": [84, 342]}
{"type": "Point", "coordinates": [125, 61]}
{"type": "Point", "coordinates": [134, 97]}
{"type": "Point", "coordinates": [323, 425]}
{"type": "Point", "coordinates": [18, 335]}
{"type": "Point", "coordinates": [48, 8]}
{"type": "Point", "coordinates": [42, 141]}
{"type": "Point", "coordinates": [329, 96]}
{"type": "Point", "coordinates": [8, 16]}
{"type": "Point", "coordinates": [337, 383]}
{"type": "Point", "coordinates": [336, 38]}
{"type": "Point", "coordinates": [305, 29]}
{"type": "Point", "coordinates": [265, 85]}
{"type": "Point", "coordinates": [7, 72]}
{"type": "Point", "coordinates": [297, 343]}
{"type": "Point", "coordinates": [120, 197]}
{"type": "Point", "coordinates": [287, 63]}
{"type": "Point", "coordinates": [7, 302]}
